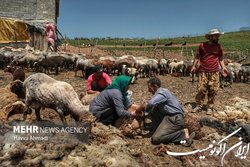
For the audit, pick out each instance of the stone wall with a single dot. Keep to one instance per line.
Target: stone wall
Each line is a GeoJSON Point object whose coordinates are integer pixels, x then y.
{"type": "Point", "coordinates": [35, 11]}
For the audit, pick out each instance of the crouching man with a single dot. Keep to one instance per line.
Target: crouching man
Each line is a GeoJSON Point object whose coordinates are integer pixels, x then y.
{"type": "Point", "coordinates": [166, 115]}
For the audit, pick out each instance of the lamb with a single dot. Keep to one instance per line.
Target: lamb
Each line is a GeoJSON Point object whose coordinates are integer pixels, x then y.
{"type": "Point", "coordinates": [17, 107]}
{"type": "Point", "coordinates": [176, 65]}
{"type": "Point", "coordinates": [44, 91]}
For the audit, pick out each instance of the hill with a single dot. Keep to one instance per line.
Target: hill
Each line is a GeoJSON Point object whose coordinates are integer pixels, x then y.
{"type": "Point", "coordinates": [232, 41]}
{"type": "Point", "coordinates": [236, 45]}
{"type": "Point", "coordinates": [245, 28]}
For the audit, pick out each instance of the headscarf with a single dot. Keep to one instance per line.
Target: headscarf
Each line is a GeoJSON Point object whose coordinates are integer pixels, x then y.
{"type": "Point", "coordinates": [121, 82]}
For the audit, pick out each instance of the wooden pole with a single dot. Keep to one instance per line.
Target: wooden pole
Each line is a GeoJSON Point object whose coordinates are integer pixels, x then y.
{"type": "Point", "coordinates": [79, 46]}
{"type": "Point", "coordinates": [182, 51]}
{"type": "Point", "coordinates": [65, 42]}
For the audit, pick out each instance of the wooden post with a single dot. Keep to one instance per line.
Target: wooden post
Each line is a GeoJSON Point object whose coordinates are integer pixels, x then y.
{"type": "Point", "coordinates": [96, 43]}
{"type": "Point", "coordinates": [145, 43]}
{"type": "Point", "coordinates": [79, 46]}
{"type": "Point", "coordinates": [157, 42]}
{"type": "Point", "coordinates": [192, 52]}
{"type": "Point", "coordinates": [15, 36]}
{"type": "Point", "coordinates": [65, 43]}
{"type": "Point", "coordinates": [34, 40]}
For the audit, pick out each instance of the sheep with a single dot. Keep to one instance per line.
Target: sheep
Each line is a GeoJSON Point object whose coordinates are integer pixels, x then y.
{"type": "Point", "coordinates": [131, 127]}
{"type": "Point", "coordinates": [224, 81]}
{"type": "Point", "coordinates": [29, 59]}
{"type": "Point", "coordinates": [187, 66]}
{"type": "Point", "coordinates": [7, 96]}
{"type": "Point", "coordinates": [127, 60]}
{"type": "Point", "coordinates": [163, 65]}
{"type": "Point", "coordinates": [244, 73]}
{"type": "Point", "coordinates": [10, 103]}
{"type": "Point", "coordinates": [85, 66]}
{"type": "Point", "coordinates": [69, 60]}
{"type": "Point", "coordinates": [44, 91]}
{"type": "Point", "coordinates": [236, 68]}
{"type": "Point", "coordinates": [17, 107]}
{"type": "Point", "coordinates": [151, 67]}
{"type": "Point", "coordinates": [177, 66]}
{"type": "Point", "coordinates": [6, 56]}
{"type": "Point", "coordinates": [17, 88]}
{"type": "Point", "coordinates": [169, 44]}
{"type": "Point", "coordinates": [108, 63]}
{"type": "Point", "coordinates": [17, 72]}
{"type": "Point", "coordinates": [51, 59]}
{"type": "Point", "coordinates": [140, 63]}
{"type": "Point", "coordinates": [88, 98]}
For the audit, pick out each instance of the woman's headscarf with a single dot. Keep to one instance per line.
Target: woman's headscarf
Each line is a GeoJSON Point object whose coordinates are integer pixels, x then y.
{"type": "Point", "coordinates": [121, 82]}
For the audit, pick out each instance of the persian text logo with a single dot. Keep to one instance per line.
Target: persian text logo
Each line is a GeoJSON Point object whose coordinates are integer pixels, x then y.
{"type": "Point", "coordinates": [220, 149]}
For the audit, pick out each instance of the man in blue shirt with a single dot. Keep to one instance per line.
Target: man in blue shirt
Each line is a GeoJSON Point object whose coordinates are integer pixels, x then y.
{"type": "Point", "coordinates": [167, 116]}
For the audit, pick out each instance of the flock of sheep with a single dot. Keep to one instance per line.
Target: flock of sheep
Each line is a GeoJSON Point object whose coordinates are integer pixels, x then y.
{"type": "Point", "coordinates": [127, 64]}
{"type": "Point", "coordinates": [56, 62]}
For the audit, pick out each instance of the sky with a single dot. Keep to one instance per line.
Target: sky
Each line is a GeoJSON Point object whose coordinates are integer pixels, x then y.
{"type": "Point", "coordinates": [150, 18]}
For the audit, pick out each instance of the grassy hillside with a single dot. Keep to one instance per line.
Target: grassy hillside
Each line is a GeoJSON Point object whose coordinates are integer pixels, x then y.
{"type": "Point", "coordinates": [234, 43]}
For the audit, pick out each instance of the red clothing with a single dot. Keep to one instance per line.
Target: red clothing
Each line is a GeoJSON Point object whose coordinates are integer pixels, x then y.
{"type": "Point", "coordinates": [209, 57]}
{"type": "Point", "coordinates": [103, 82]}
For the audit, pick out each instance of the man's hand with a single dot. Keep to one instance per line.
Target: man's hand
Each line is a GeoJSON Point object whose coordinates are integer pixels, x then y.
{"type": "Point", "coordinates": [224, 72]}
{"type": "Point", "coordinates": [193, 69]}
{"type": "Point", "coordinates": [136, 113]}
{"type": "Point", "coordinates": [133, 114]}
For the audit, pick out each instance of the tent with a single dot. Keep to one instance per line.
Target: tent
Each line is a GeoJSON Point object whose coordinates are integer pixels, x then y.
{"type": "Point", "coordinates": [13, 31]}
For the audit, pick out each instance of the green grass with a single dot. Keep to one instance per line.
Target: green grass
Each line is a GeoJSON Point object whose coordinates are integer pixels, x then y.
{"type": "Point", "coordinates": [232, 41]}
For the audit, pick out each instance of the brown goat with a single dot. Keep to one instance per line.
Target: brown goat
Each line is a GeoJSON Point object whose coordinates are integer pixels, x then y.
{"type": "Point", "coordinates": [17, 73]}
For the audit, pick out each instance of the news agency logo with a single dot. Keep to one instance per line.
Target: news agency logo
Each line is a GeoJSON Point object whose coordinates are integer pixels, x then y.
{"type": "Point", "coordinates": [23, 129]}
{"type": "Point", "coordinates": [47, 132]}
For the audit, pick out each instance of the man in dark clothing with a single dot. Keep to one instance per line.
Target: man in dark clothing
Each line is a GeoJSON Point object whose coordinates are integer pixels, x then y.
{"type": "Point", "coordinates": [167, 116]}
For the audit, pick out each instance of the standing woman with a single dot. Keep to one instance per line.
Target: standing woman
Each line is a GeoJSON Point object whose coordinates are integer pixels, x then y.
{"type": "Point", "coordinates": [112, 103]}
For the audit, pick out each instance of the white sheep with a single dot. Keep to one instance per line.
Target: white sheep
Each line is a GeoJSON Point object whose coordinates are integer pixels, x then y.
{"type": "Point", "coordinates": [176, 65]}
{"type": "Point", "coordinates": [44, 91]}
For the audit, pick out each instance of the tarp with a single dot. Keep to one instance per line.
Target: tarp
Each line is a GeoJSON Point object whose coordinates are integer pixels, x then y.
{"type": "Point", "coordinates": [13, 31]}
